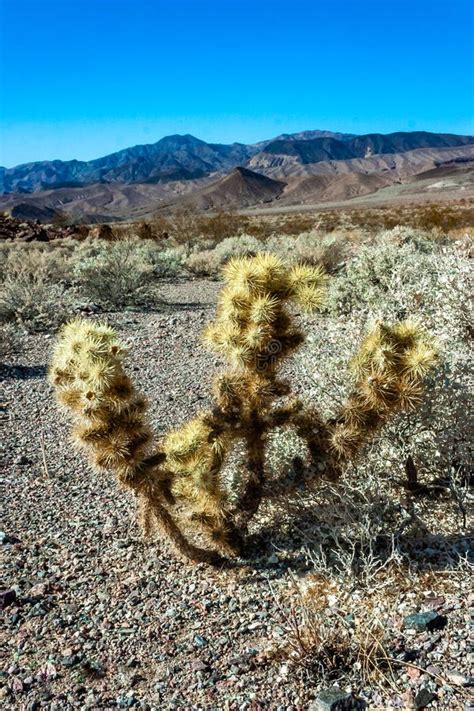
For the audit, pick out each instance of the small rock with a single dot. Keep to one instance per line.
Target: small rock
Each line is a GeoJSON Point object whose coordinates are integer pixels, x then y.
{"type": "Point", "coordinates": [38, 590]}
{"type": "Point", "coordinates": [413, 673]}
{"type": "Point", "coordinates": [336, 700]}
{"type": "Point", "coordinates": [127, 701]}
{"type": "Point", "coordinates": [423, 698]}
{"type": "Point", "coordinates": [93, 669]}
{"type": "Point", "coordinates": [70, 661]}
{"type": "Point", "coordinates": [459, 679]}
{"type": "Point", "coordinates": [421, 621]}
{"type": "Point", "coordinates": [22, 460]}
{"type": "Point", "coordinates": [435, 602]}
{"type": "Point", "coordinates": [7, 597]}
{"type": "Point", "coordinates": [198, 665]}
{"type": "Point", "coordinates": [200, 641]}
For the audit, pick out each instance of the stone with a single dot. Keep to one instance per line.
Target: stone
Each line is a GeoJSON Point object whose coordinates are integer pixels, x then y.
{"type": "Point", "coordinates": [423, 698]}
{"type": "Point", "coordinates": [428, 620]}
{"type": "Point", "coordinates": [70, 661]}
{"type": "Point", "coordinates": [22, 459]}
{"type": "Point", "coordinates": [337, 700]}
{"type": "Point", "coordinates": [199, 666]}
{"type": "Point", "coordinates": [7, 597]}
{"type": "Point", "coordinates": [459, 679]}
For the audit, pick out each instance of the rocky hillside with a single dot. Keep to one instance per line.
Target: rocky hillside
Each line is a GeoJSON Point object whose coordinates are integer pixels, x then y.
{"type": "Point", "coordinates": [183, 172]}
{"type": "Point", "coordinates": [288, 152]}
{"type": "Point", "coordinates": [181, 158]}
{"type": "Point", "coordinates": [171, 158]}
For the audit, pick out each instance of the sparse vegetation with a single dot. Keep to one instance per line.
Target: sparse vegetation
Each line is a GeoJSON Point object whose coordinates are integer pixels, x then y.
{"type": "Point", "coordinates": [123, 272]}
{"type": "Point", "coordinates": [348, 559]}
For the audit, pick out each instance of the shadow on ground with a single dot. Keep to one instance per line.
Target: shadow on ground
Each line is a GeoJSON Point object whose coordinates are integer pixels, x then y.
{"type": "Point", "coordinates": [21, 372]}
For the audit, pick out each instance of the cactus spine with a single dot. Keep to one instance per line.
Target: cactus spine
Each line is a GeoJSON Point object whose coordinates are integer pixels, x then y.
{"type": "Point", "coordinates": [178, 481]}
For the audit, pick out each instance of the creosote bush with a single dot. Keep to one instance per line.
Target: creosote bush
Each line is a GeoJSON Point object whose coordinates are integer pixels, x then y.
{"type": "Point", "coordinates": [179, 481]}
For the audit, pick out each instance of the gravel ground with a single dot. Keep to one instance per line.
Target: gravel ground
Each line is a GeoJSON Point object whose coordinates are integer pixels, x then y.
{"type": "Point", "coordinates": [99, 619]}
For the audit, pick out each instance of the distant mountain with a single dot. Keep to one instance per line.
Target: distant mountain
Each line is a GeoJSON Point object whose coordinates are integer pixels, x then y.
{"type": "Point", "coordinates": [171, 158]}
{"type": "Point", "coordinates": [183, 171]}
{"type": "Point", "coordinates": [289, 152]}
{"type": "Point", "coordinates": [305, 136]}
{"type": "Point", "coordinates": [424, 173]}
{"type": "Point", "coordinates": [178, 158]}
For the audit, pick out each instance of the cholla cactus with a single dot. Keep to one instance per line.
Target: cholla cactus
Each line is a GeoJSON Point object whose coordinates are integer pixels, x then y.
{"type": "Point", "coordinates": [178, 481]}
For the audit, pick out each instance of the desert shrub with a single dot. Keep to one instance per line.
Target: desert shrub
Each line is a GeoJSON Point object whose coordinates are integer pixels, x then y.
{"type": "Point", "coordinates": [185, 227]}
{"type": "Point", "coordinates": [208, 262]}
{"type": "Point", "coordinates": [382, 273]}
{"type": "Point", "coordinates": [9, 339]}
{"type": "Point", "coordinates": [34, 290]}
{"type": "Point", "coordinates": [50, 261]}
{"type": "Point", "coordinates": [297, 224]}
{"type": "Point", "coordinates": [389, 282]}
{"type": "Point", "coordinates": [221, 225]}
{"type": "Point", "coordinates": [166, 262]}
{"type": "Point", "coordinates": [326, 250]}
{"type": "Point", "coordinates": [203, 263]}
{"type": "Point", "coordinates": [241, 246]}
{"type": "Point", "coordinates": [421, 240]}
{"type": "Point", "coordinates": [116, 274]}
{"type": "Point", "coordinates": [33, 302]}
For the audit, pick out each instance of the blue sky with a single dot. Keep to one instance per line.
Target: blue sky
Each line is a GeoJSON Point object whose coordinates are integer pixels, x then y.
{"type": "Point", "coordinates": [83, 78]}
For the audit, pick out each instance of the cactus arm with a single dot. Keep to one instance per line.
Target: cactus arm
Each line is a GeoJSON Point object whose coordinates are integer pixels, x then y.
{"type": "Point", "coordinates": [389, 370]}
{"type": "Point", "coordinates": [111, 425]}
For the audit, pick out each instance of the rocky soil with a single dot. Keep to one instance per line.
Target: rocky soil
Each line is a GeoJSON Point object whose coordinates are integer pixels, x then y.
{"type": "Point", "coordinates": [94, 617]}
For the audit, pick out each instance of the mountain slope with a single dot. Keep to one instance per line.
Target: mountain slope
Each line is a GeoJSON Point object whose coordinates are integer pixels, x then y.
{"type": "Point", "coordinates": [305, 136]}
{"type": "Point", "coordinates": [176, 158]}
{"type": "Point", "coordinates": [241, 188]}
{"type": "Point", "coordinates": [171, 158]}
{"type": "Point", "coordinates": [281, 153]}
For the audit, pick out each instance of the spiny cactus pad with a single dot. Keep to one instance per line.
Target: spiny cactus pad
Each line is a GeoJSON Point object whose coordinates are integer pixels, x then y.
{"type": "Point", "coordinates": [178, 481]}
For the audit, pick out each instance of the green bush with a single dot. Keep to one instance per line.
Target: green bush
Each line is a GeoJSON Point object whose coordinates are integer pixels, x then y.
{"type": "Point", "coordinates": [384, 273]}
{"type": "Point", "coordinates": [123, 272]}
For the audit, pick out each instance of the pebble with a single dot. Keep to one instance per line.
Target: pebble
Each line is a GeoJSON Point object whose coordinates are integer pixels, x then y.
{"type": "Point", "coordinates": [336, 700]}
{"type": "Point", "coordinates": [131, 614]}
{"type": "Point", "coordinates": [428, 620]}
{"type": "Point", "coordinates": [423, 698]}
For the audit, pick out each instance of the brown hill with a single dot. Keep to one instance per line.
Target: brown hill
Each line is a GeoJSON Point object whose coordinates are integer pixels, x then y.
{"type": "Point", "coordinates": [326, 188]}
{"type": "Point", "coordinates": [241, 188]}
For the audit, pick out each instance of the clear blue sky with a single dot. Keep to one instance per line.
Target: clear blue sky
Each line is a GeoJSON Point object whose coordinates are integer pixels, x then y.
{"type": "Point", "coordinates": [83, 78]}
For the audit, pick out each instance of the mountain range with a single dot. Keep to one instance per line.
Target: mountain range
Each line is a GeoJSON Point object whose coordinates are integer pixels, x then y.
{"type": "Point", "coordinates": [186, 171]}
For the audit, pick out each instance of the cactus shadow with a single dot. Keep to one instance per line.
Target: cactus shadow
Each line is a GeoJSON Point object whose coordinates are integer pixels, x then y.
{"type": "Point", "coordinates": [284, 545]}
{"type": "Point", "coordinates": [21, 372]}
